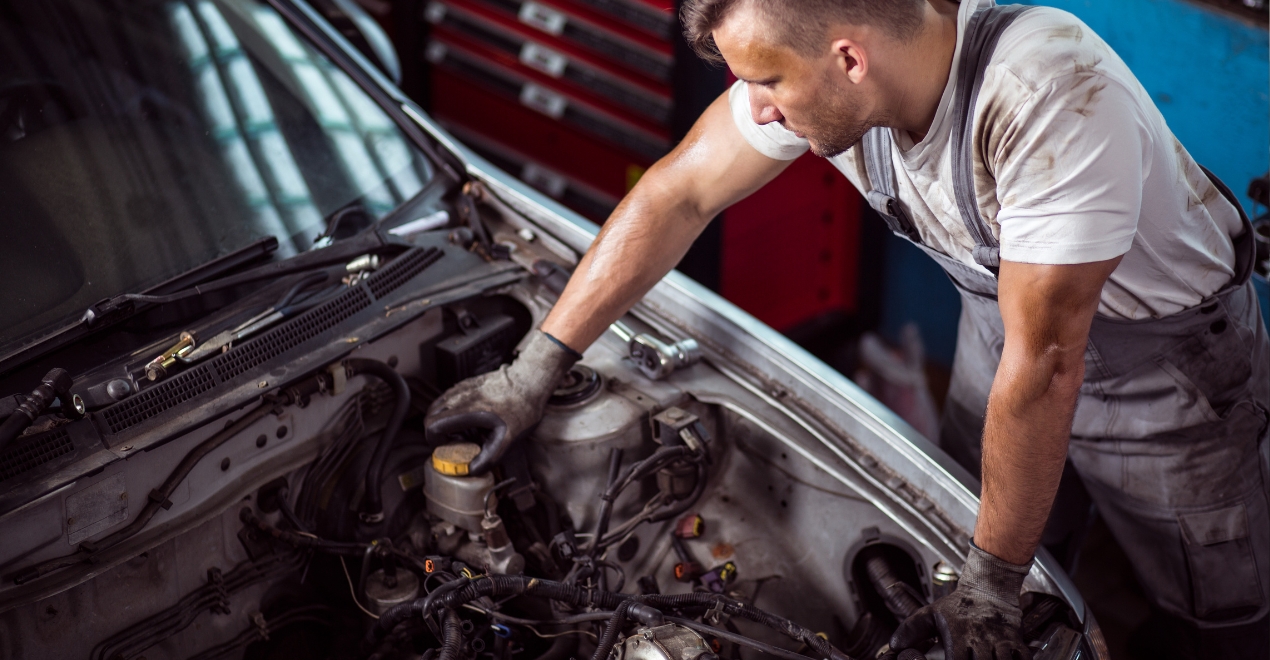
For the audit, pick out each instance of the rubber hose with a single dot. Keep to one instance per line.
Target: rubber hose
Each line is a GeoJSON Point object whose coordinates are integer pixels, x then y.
{"type": "Point", "coordinates": [55, 384]}
{"type": "Point", "coordinates": [398, 613]}
{"type": "Point", "coordinates": [451, 636]}
{"type": "Point", "coordinates": [606, 505]}
{"type": "Point", "coordinates": [896, 594]}
{"type": "Point", "coordinates": [611, 630]}
{"type": "Point", "coordinates": [373, 505]}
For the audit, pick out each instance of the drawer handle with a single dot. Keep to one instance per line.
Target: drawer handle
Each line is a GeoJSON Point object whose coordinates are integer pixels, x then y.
{"type": "Point", "coordinates": [543, 100]}
{"type": "Point", "coordinates": [542, 17]}
{"type": "Point", "coordinates": [543, 59]}
{"type": "Point", "coordinates": [544, 179]}
{"type": "Point", "coordinates": [435, 52]}
{"type": "Point", "coordinates": [434, 13]}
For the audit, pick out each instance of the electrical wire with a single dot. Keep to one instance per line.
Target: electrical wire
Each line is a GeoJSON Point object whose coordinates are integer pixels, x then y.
{"type": "Point", "coordinates": [575, 618]}
{"type": "Point", "coordinates": [353, 592]}
{"type": "Point", "coordinates": [559, 634]}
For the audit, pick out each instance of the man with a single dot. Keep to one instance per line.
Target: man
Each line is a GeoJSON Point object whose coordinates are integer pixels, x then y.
{"type": "Point", "coordinates": [1097, 264]}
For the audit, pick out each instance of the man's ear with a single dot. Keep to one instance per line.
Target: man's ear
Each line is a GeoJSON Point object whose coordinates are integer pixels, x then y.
{"type": "Point", "coordinates": [851, 59]}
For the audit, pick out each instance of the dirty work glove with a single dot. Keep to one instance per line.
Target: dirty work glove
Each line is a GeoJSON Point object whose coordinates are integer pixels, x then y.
{"type": "Point", "coordinates": [979, 620]}
{"type": "Point", "coordinates": [507, 402]}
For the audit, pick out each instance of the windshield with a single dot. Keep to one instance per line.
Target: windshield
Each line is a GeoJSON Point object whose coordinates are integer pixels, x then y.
{"type": "Point", "coordinates": [140, 139]}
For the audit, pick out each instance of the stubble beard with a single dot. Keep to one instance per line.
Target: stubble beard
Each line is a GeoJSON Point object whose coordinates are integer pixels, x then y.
{"type": "Point", "coordinates": [835, 125]}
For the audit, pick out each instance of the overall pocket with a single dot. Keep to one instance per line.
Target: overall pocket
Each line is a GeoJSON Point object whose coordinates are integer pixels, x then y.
{"type": "Point", "coordinates": [1224, 578]}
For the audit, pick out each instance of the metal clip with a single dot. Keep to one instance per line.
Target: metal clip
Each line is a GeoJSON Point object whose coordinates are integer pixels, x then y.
{"type": "Point", "coordinates": [157, 368]}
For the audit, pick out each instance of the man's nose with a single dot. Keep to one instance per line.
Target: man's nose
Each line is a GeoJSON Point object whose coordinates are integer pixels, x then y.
{"type": "Point", "coordinates": [762, 110]}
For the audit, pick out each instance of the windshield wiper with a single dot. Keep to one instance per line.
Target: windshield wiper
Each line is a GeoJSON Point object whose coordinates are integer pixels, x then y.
{"type": "Point", "coordinates": [16, 356]}
{"type": "Point", "coordinates": [340, 252]}
{"type": "Point", "coordinates": [197, 282]}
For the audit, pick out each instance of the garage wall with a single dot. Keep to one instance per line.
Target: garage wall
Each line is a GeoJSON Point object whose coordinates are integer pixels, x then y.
{"type": "Point", "coordinates": [1209, 74]}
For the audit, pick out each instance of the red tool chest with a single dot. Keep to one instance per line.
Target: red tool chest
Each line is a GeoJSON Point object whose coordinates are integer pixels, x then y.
{"type": "Point", "coordinates": [790, 252]}
{"type": "Point", "coordinates": [574, 96]}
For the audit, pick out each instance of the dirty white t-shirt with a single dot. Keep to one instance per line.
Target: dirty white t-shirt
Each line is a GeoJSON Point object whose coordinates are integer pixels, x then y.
{"type": "Point", "coordinates": [1073, 164]}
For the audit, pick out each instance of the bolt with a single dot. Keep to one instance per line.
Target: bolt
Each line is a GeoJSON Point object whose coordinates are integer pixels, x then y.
{"type": "Point", "coordinates": [118, 389]}
{"type": "Point", "coordinates": [526, 234]}
{"type": "Point", "coordinates": [126, 448]}
{"type": "Point", "coordinates": [944, 574]}
{"type": "Point", "coordinates": [674, 413]}
{"type": "Point", "coordinates": [262, 384]}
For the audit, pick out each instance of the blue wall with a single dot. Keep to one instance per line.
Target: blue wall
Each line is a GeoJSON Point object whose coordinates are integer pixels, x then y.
{"type": "Point", "coordinates": [1210, 76]}
{"type": "Point", "coordinates": [1208, 73]}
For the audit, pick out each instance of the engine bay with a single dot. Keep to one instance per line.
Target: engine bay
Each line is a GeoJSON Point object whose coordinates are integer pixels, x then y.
{"type": "Point", "coordinates": [665, 508]}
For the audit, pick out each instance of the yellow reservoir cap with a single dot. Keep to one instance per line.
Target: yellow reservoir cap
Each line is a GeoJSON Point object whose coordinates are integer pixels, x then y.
{"type": "Point", "coordinates": [454, 459]}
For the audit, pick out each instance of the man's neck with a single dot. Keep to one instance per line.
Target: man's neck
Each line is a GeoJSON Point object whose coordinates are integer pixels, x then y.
{"type": "Point", "coordinates": [923, 71]}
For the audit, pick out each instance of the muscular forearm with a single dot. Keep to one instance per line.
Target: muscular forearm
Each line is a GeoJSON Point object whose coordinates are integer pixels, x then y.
{"type": "Point", "coordinates": [653, 227]}
{"type": "Point", "coordinates": [642, 241]}
{"type": "Point", "coordinates": [1029, 421]}
{"type": "Point", "coordinates": [1047, 311]}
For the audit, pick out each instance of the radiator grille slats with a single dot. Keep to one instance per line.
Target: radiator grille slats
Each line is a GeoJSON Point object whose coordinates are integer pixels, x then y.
{"type": "Point", "coordinates": [35, 453]}
{"type": "Point", "coordinates": [251, 354]}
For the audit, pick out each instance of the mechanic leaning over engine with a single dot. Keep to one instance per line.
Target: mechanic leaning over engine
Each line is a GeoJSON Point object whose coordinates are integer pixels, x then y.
{"type": "Point", "coordinates": [1107, 312]}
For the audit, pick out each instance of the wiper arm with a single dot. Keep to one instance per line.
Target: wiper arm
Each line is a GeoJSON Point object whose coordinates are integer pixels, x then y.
{"type": "Point", "coordinates": [19, 355]}
{"type": "Point", "coordinates": [340, 252]}
{"type": "Point", "coordinates": [193, 284]}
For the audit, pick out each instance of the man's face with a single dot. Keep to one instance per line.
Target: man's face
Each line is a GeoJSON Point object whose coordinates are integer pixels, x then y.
{"type": "Point", "coordinates": [807, 95]}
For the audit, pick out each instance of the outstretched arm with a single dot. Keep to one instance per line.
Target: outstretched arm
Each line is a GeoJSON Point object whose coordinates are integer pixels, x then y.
{"type": "Point", "coordinates": [644, 238]}
{"type": "Point", "coordinates": [655, 224]}
{"type": "Point", "coordinates": [1047, 312]}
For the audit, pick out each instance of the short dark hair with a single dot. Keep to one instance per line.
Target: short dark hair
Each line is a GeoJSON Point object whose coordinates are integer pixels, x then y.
{"type": "Point", "coordinates": [802, 23]}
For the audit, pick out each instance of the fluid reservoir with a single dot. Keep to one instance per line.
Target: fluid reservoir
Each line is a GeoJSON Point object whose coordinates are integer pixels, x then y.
{"type": "Point", "coordinates": [569, 454]}
{"type": "Point", "coordinates": [453, 495]}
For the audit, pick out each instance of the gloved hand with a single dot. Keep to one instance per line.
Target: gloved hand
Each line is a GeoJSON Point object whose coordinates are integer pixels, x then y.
{"type": "Point", "coordinates": [507, 402]}
{"type": "Point", "coordinates": [979, 620]}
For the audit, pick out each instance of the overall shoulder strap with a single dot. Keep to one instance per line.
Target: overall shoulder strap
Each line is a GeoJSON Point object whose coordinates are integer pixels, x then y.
{"type": "Point", "coordinates": [875, 147]}
{"type": "Point", "coordinates": [983, 31]}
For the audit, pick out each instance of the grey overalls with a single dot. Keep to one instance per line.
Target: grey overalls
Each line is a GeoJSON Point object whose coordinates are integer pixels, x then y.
{"type": "Point", "coordinates": [1171, 411]}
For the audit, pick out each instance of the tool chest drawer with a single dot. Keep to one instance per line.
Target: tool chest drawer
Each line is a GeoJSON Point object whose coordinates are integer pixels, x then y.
{"type": "Point", "coordinates": [558, 65]}
{"type": "Point", "coordinates": [574, 97]}
{"type": "Point", "coordinates": [582, 27]}
{"type": "Point", "coordinates": [458, 100]}
{"type": "Point", "coordinates": [568, 109]}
